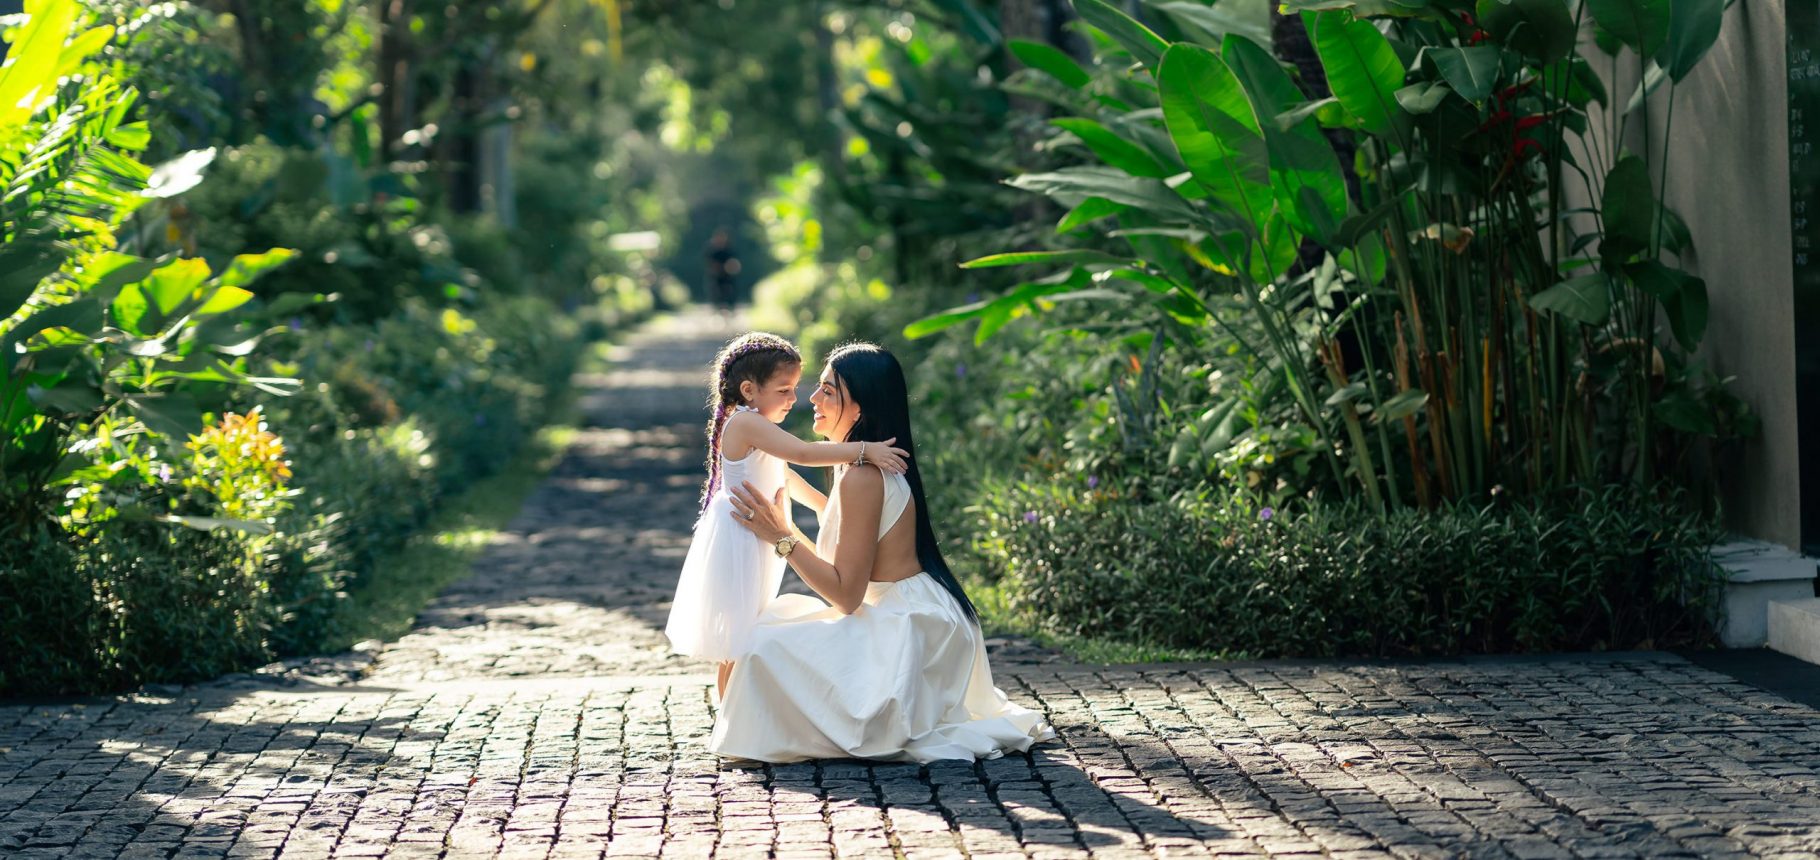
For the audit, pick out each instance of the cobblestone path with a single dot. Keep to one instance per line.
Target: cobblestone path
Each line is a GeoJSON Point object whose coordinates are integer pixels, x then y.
{"type": "Point", "coordinates": [534, 714]}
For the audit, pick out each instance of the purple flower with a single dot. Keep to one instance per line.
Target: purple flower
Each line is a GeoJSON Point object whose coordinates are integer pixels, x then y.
{"type": "Point", "coordinates": [973, 297]}
{"type": "Point", "coordinates": [1093, 482]}
{"type": "Point", "coordinates": [960, 370]}
{"type": "Point", "coordinates": [1030, 516]}
{"type": "Point", "coordinates": [369, 344]}
{"type": "Point", "coordinates": [296, 323]}
{"type": "Point", "coordinates": [163, 473]}
{"type": "Point", "coordinates": [480, 419]}
{"type": "Point", "coordinates": [1267, 513]}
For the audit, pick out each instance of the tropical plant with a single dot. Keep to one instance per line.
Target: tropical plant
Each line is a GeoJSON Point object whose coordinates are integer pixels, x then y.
{"type": "Point", "coordinates": [1487, 295]}
{"type": "Point", "coordinates": [86, 330]}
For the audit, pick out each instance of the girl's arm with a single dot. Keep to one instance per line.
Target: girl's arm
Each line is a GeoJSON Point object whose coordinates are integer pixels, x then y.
{"type": "Point", "coordinates": [755, 432]}
{"type": "Point", "coordinates": [841, 580]}
{"type": "Point", "coordinates": [805, 493]}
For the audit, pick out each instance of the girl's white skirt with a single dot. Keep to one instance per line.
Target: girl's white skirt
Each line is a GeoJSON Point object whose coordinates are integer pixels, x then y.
{"type": "Point", "coordinates": [727, 579]}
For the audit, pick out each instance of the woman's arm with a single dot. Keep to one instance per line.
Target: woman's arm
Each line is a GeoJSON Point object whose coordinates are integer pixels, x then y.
{"type": "Point", "coordinates": [842, 580]}
{"type": "Point", "coordinates": [758, 433]}
{"type": "Point", "coordinates": [805, 493]}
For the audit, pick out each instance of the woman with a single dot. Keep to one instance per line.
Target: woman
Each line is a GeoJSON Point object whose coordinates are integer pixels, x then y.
{"type": "Point", "coordinates": [895, 668]}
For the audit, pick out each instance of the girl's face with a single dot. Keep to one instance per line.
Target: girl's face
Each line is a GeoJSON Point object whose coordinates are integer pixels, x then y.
{"type": "Point", "coordinates": [835, 413]}
{"type": "Point", "coordinates": [774, 399]}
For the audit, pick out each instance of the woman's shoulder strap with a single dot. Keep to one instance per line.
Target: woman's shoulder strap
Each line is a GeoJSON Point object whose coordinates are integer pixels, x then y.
{"type": "Point", "coordinates": [897, 500]}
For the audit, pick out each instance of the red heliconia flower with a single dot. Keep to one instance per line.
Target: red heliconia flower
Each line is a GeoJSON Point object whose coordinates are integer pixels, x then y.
{"type": "Point", "coordinates": [1496, 119]}
{"type": "Point", "coordinates": [1512, 91]}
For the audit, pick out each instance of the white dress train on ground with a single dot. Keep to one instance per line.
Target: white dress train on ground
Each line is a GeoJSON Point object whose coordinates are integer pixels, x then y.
{"type": "Point", "coordinates": [904, 678]}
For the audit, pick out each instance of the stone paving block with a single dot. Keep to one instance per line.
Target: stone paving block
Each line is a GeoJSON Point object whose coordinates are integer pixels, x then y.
{"type": "Point", "coordinates": [534, 712]}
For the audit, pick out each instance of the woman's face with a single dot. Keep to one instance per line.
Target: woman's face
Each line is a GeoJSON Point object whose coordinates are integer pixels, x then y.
{"type": "Point", "coordinates": [835, 413]}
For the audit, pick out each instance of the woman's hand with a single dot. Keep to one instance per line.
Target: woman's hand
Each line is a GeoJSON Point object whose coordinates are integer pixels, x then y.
{"type": "Point", "coordinates": [892, 461]}
{"type": "Point", "coordinates": [762, 517]}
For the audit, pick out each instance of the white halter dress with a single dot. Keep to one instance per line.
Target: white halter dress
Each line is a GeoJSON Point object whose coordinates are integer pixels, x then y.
{"type": "Point", "coordinates": [729, 574]}
{"type": "Point", "coordinates": [904, 678]}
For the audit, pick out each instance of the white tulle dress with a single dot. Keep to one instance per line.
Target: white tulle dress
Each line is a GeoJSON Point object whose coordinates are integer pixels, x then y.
{"type": "Point", "coordinates": [729, 575]}
{"type": "Point", "coordinates": [904, 678]}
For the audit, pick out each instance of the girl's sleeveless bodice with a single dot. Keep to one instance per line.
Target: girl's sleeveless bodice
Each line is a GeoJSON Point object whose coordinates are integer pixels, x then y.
{"type": "Point", "coordinates": [763, 470]}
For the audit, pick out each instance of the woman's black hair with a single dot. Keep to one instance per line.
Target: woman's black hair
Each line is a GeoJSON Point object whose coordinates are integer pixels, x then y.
{"type": "Point", "coordinates": [875, 382]}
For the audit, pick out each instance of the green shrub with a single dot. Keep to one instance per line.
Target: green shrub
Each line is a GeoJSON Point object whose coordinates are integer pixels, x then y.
{"type": "Point", "coordinates": [133, 602]}
{"type": "Point", "coordinates": [1584, 570]}
{"type": "Point", "coordinates": [51, 624]}
{"type": "Point", "coordinates": [398, 414]}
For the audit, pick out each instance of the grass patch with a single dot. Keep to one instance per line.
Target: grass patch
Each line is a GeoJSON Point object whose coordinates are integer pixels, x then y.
{"type": "Point", "coordinates": [386, 606]}
{"type": "Point", "coordinates": [997, 618]}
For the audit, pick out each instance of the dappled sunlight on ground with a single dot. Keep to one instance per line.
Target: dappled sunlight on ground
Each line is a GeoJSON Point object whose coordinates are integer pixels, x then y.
{"type": "Point", "coordinates": [535, 711]}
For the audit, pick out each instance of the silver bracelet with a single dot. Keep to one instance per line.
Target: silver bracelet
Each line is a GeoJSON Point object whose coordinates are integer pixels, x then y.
{"type": "Point", "coordinates": [861, 459]}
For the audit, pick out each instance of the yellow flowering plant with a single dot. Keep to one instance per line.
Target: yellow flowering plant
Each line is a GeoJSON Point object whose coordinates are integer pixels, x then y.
{"type": "Point", "coordinates": [241, 465]}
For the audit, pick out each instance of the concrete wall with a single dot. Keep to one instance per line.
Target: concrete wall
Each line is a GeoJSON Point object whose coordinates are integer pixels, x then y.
{"type": "Point", "coordinates": [1728, 177]}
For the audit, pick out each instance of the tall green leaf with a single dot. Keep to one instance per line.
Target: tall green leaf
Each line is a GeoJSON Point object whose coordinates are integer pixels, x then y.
{"type": "Point", "coordinates": [1222, 19]}
{"type": "Point", "coordinates": [1024, 258]}
{"type": "Point", "coordinates": [1073, 185]}
{"type": "Point", "coordinates": [82, 47]}
{"type": "Point", "coordinates": [23, 265]}
{"type": "Point", "coordinates": [1640, 24]}
{"type": "Point", "coordinates": [1654, 76]}
{"type": "Point", "coordinates": [1687, 312]}
{"type": "Point", "coordinates": [1585, 299]}
{"type": "Point", "coordinates": [1305, 175]}
{"type": "Point", "coordinates": [168, 287]}
{"type": "Point", "coordinates": [1051, 61]}
{"type": "Point", "coordinates": [31, 68]}
{"type": "Point", "coordinates": [1087, 211]}
{"type": "Point", "coordinates": [1146, 46]}
{"type": "Point", "coordinates": [1212, 123]}
{"type": "Point", "coordinates": [1112, 149]}
{"type": "Point", "coordinates": [1362, 68]}
{"type": "Point", "coordinates": [973, 21]}
{"type": "Point", "coordinates": [1543, 30]}
{"type": "Point", "coordinates": [247, 268]}
{"type": "Point", "coordinates": [1683, 297]}
{"type": "Point", "coordinates": [1472, 72]}
{"type": "Point", "coordinates": [1423, 96]}
{"type": "Point", "coordinates": [1628, 210]}
{"type": "Point", "coordinates": [1693, 27]}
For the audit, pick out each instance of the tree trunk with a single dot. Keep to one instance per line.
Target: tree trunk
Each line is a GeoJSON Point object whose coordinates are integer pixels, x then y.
{"type": "Point", "coordinates": [1056, 15]}
{"type": "Point", "coordinates": [397, 108]}
{"type": "Point", "coordinates": [462, 154]}
{"type": "Point", "coordinates": [827, 93]}
{"type": "Point", "coordinates": [1291, 44]}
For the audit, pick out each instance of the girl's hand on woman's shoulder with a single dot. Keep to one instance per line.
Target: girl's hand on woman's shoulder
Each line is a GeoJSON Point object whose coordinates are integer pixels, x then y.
{"type": "Point", "coordinates": [892, 460]}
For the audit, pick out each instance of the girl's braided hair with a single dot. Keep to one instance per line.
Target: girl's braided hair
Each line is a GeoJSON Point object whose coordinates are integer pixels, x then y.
{"type": "Point", "coordinates": [754, 356]}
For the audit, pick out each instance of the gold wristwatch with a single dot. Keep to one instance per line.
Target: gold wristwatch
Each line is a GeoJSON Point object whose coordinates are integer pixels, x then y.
{"type": "Point", "coordinates": [785, 545]}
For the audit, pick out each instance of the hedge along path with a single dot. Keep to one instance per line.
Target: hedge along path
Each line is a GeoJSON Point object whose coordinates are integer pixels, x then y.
{"type": "Point", "coordinates": [533, 712]}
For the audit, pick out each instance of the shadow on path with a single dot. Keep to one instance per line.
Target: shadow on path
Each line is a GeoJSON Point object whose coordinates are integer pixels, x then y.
{"type": "Point", "coordinates": [534, 711]}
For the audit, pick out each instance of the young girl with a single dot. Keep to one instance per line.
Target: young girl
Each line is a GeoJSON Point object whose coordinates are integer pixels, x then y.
{"type": "Point", "coordinates": [730, 575]}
